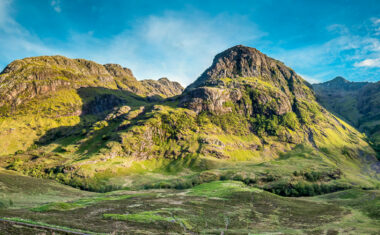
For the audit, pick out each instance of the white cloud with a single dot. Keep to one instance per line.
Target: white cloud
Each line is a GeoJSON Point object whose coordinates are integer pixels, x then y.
{"type": "Point", "coordinates": [335, 57]}
{"type": "Point", "coordinates": [56, 4]}
{"type": "Point", "coordinates": [369, 63]}
{"type": "Point", "coordinates": [376, 21]}
{"type": "Point", "coordinates": [310, 79]}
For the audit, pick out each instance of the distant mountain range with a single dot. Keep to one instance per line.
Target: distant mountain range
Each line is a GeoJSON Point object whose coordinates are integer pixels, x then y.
{"type": "Point", "coordinates": [356, 102]}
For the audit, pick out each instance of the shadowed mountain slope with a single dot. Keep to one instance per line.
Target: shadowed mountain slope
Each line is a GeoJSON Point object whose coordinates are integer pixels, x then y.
{"type": "Point", "coordinates": [356, 102]}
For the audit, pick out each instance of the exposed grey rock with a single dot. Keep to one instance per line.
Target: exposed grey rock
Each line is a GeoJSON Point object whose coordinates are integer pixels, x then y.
{"type": "Point", "coordinates": [208, 99]}
{"type": "Point", "coordinates": [162, 87]}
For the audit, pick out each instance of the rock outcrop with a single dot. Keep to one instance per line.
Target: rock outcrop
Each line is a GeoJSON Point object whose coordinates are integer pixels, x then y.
{"type": "Point", "coordinates": [209, 99]}
{"type": "Point", "coordinates": [162, 87]}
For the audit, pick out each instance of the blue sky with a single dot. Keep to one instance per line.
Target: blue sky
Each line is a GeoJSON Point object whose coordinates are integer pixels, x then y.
{"type": "Point", "coordinates": [178, 39]}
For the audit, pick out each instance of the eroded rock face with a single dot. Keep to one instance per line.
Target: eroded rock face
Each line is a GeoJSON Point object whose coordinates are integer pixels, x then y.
{"type": "Point", "coordinates": [162, 87]}
{"type": "Point", "coordinates": [118, 112]}
{"type": "Point", "coordinates": [209, 99]}
{"type": "Point", "coordinates": [118, 71]}
{"type": "Point", "coordinates": [271, 103]}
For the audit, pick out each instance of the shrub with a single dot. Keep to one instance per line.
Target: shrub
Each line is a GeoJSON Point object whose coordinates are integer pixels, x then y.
{"type": "Point", "coordinates": [290, 120]}
{"type": "Point", "coordinates": [19, 152]}
{"type": "Point", "coordinates": [262, 124]}
{"type": "Point", "coordinates": [232, 123]}
{"type": "Point", "coordinates": [313, 176]}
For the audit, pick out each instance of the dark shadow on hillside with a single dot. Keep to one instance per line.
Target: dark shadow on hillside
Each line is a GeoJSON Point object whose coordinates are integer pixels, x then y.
{"type": "Point", "coordinates": [98, 103]}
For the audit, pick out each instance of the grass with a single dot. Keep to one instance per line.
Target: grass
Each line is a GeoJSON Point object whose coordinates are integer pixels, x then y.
{"type": "Point", "coordinates": [18, 191]}
{"type": "Point", "coordinates": [84, 202]}
{"type": "Point", "coordinates": [367, 202]}
{"type": "Point", "coordinates": [142, 217]}
{"type": "Point", "coordinates": [221, 189]}
{"type": "Point", "coordinates": [244, 209]}
{"type": "Point", "coordinates": [31, 222]}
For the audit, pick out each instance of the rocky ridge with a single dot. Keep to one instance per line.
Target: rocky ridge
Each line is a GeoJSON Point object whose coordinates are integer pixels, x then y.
{"type": "Point", "coordinates": [25, 79]}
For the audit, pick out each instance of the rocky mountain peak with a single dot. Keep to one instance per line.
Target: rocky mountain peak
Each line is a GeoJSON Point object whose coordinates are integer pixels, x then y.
{"type": "Point", "coordinates": [240, 69]}
{"type": "Point", "coordinates": [339, 84]}
{"type": "Point", "coordinates": [162, 86]}
{"type": "Point", "coordinates": [238, 61]}
{"type": "Point", "coordinates": [339, 79]}
{"type": "Point", "coordinates": [117, 70]}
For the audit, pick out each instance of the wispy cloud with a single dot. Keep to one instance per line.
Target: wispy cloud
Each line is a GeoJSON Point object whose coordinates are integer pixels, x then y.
{"type": "Point", "coordinates": [376, 25]}
{"type": "Point", "coordinates": [311, 80]}
{"type": "Point", "coordinates": [16, 41]}
{"type": "Point", "coordinates": [56, 4]}
{"type": "Point", "coordinates": [369, 63]}
{"type": "Point", "coordinates": [181, 45]}
{"type": "Point", "coordinates": [344, 54]}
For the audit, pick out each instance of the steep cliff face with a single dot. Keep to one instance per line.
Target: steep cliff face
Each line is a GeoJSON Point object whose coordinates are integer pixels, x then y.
{"type": "Point", "coordinates": [162, 87]}
{"type": "Point", "coordinates": [245, 88]}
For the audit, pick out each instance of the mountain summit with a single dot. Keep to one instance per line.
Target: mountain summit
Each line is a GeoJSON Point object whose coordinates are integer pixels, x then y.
{"type": "Point", "coordinates": [339, 84]}
{"type": "Point", "coordinates": [277, 87]}
{"type": "Point", "coordinates": [242, 61]}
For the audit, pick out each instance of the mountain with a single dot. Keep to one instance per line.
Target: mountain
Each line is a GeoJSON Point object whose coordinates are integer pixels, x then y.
{"type": "Point", "coordinates": [25, 79]}
{"type": "Point", "coordinates": [92, 126]}
{"type": "Point", "coordinates": [40, 93]}
{"type": "Point", "coordinates": [356, 102]}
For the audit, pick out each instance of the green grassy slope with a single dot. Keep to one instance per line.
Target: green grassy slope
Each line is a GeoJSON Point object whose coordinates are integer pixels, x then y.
{"type": "Point", "coordinates": [19, 191]}
{"type": "Point", "coordinates": [210, 208]}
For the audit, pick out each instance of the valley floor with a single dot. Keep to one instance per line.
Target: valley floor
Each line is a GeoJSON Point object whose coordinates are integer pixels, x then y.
{"type": "Point", "coordinates": [219, 207]}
